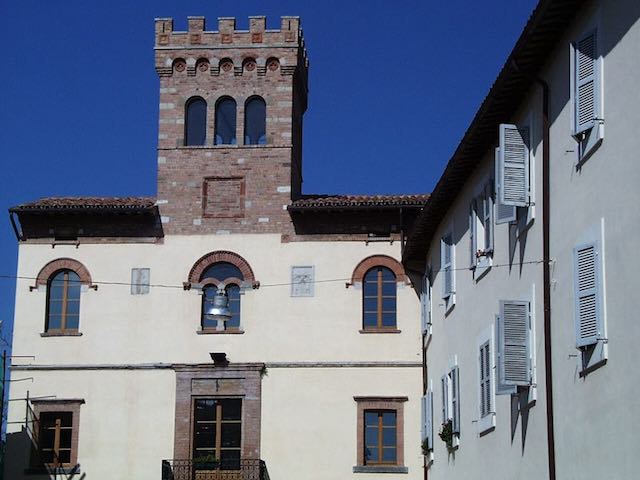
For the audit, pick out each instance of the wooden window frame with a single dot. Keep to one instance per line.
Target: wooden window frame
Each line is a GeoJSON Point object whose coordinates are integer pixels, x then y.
{"type": "Point", "coordinates": [379, 327]}
{"type": "Point", "coordinates": [63, 330]}
{"type": "Point", "coordinates": [381, 404]}
{"type": "Point", "coordinates": [218, 424]}
{"type": "Point", "coordinates": [59, 406]}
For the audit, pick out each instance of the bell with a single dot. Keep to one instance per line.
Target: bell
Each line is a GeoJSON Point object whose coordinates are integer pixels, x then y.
{"type": "Point", "coordinates": [218, 309]}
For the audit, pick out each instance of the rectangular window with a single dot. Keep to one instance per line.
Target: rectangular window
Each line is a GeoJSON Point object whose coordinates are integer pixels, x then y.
{"type": "Point", "coordinates": [140, 279]}
{"type": "Point", "coordinates": [56, 433]}
{"type": "Point", "coordinates": [447, 268]}
{"type": "Point", "coordinates": [450, 383]}
{"type": "Point", "coordinates": [380, 441]}
{"type": "Point", "coordinates": [481, 231]}
{"type": "Point", "coordinates": [217, 433]}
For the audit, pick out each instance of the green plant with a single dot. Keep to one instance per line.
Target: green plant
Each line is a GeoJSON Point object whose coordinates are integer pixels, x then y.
{"type": "Point", "coordinates": [446, 433]}
{"type": "Point", "coordinates": [206, 462]}
{"type": "Point", "coordinates": [426, 448]}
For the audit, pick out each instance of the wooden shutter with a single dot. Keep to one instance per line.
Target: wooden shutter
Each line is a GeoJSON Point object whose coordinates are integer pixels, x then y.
{"type": "Point", "coordinates": [473, 234]}
{"type": "Point", "coordinates": [587, 300]}
{"type": "Point", "coordinates": [514, 165]}
{"type": "Point", "coordinates": [504, 213]}
{"type": "Point", "coordinates": [484, 360]}
{"type": "Point", "coordinates": [444, 382]}
{"type": "Point", "coordinates": [586, 98]}
{"type": "Point", "coordinates": [447, 265]}
{"type": "Point", "coordinates": [514, 338]}
{"type": "Point", "coordinates": [455, 399]}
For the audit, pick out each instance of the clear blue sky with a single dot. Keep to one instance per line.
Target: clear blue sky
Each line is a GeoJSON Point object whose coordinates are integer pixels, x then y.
{"type": "Point", "coordinates": [393, 86]}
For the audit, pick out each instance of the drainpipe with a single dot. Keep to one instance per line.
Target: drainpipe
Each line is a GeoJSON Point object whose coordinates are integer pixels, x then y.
{"type": "Point", "coordinates": [546, 271]}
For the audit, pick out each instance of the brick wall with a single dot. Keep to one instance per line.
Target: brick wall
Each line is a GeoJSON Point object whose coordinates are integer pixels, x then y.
{"type": "Point", "coordinates": [261, 179]}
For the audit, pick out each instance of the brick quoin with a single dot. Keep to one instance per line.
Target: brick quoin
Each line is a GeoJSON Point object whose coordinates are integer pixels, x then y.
{"type": "Point", "coordinates": [240, 64]}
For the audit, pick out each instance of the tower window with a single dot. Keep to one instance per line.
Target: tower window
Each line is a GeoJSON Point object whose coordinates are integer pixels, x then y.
{"type": "Point", "coordinates": [195, 121]}
{"type": "Point", "coordinates": [255, 114]}
{"type": "Point", "coordinates": [226, 121]}
{"type": "Point", "coordinates": [63, 302]}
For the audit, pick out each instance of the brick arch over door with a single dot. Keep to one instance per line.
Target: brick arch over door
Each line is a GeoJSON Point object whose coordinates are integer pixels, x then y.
{"type": "Point", "coordinates": [222, 256]}
{"type": "Point", "coordinates": [378, 261]}
{"type": "Point", "coordinates": [63, 264]}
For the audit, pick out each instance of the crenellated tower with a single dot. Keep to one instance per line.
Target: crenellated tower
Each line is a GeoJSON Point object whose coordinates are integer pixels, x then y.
{"type": "Point", "coordinates": [230, 125]}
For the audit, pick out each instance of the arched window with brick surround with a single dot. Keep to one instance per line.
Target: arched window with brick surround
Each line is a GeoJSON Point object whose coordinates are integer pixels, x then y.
{"type": "Point", "coordinates": [65, 279]}
{"type": "Point", "coordinates": [255, 116]}
{"type": "Point", "coordinates": [195, 124]}
{"type": "Point", "coordinates": [378, 277]}
{"type": "Point", "coordinates": [222, 269]}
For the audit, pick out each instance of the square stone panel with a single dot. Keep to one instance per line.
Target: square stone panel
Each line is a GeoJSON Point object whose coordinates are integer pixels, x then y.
{"type": "Point", "coordinates": [223, 197]}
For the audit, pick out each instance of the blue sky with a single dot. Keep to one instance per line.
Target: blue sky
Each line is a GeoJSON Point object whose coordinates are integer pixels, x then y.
{"type": "Point", "coordinates": [393, 86]}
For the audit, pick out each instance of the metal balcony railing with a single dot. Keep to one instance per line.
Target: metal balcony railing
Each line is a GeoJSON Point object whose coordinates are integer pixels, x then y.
{"type": "Point", "coordinates": [244, 469]}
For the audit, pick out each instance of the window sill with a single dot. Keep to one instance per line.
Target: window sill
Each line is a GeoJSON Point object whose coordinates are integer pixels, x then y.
{"type": "Point", "coordinates": [380, 469]}
{"type": "Point", "coordinates": [380, 330]}
{"type": "Point", "coordinates": [207, 331]}
{"type": "Point", "coordinates": [62, 333]}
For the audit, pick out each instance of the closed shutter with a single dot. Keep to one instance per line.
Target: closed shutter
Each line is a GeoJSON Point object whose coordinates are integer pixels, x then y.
{"type": "Point", "coordinates": [504, 213]}
{"type": "Point", "coordinates": [447, 265]}
{"type": "Point", "coordinates": [587, 295]}
{"type": "Point", "coordinates": [140, 278]}
{"type": "Point", "coordinates": [444, 383]}
{"type": "Point", "coordinates": [473, 241]}
{"type": "Point", "coordinates": [586, 82]}
{"type": "Point", "coordinates": [514, 339]}
{"type": "Point", "coordinates": [484, 360]}
{"type": "Point", "coordinates": [455, 399]}
{"type": "Point", "coordinates": [514, 165]}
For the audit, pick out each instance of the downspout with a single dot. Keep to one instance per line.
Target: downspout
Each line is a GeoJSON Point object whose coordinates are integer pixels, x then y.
{"type": "Point", "coordinates": [546, 271]}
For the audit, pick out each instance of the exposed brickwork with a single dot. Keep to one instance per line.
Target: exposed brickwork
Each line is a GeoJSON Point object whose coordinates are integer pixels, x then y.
{"type": "Point", "coordinates": [240, 64]}
{"type": "Point", "coordinates": [223, 197]}
{"type": "Point", "coordinates": [63, 264]}
{"type": "Point", "coordinates": [221, 256]}
{"type": "Point", "coordinates": [379, 260]}
{"type": "Point", "coordinates": [236, 380]}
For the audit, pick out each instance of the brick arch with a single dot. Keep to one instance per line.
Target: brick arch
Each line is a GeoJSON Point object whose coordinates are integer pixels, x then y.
{"type": "Point", "coordinates": [63, 264]}
{"type": "Point", "coordinates": [379, 261]}
{"type": "Point", "coordinates": [222, 256]}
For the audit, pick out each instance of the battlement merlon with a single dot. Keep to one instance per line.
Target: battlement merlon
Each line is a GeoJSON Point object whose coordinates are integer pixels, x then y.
{"type": "Point", "coordinates": [227, 36]}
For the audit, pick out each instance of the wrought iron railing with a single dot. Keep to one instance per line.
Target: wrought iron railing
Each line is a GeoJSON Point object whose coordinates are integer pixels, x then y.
{"type": "Point", "coordinates": [244, 469]}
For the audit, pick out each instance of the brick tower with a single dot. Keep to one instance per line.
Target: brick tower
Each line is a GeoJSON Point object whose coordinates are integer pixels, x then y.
{"type": "Point", "coordinates": [215, 175]}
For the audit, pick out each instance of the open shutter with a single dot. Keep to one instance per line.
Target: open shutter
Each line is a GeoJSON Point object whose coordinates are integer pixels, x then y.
{"type": "Point", "coordinates": [473, 241]}
{"type": "Point", "coordinates": [514, 165]}
{"type": "Point", "coordinates": [488, 217]}
{"type": "Point", "coordinates": [501, 388]}
{"type": "Point", "coordinates": [504, 213]}
{"type": "Point", "coordinates": [455, 399]}
{"type": "Point", "coordinates": [444, 382]}
{"type": "Point", "coordinates": [425, 303]}
{"type": "Point", "coordinates": [427, 419]}
{"type": "Point", "coordinates": [586, 82]}
{"type": "Point", "coordinates": [587, 288]}
{"type": "Point", "coordinates": [514, 340]}
{"type": "Point", "coordinates": [446, 249]}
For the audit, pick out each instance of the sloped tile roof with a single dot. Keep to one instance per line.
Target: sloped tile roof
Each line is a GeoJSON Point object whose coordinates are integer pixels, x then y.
{"type": "Point", "coordinates": [349, 201]}
{"type": "Point", "coordinates": [85, 204]}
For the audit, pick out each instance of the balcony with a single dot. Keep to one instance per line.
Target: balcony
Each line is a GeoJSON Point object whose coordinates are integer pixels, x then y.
{"type": "Point", "coordinates": [244, 469]}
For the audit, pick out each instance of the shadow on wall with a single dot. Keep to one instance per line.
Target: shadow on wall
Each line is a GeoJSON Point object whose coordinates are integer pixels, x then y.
{"type": "Point", "coordinates": [520, 406]}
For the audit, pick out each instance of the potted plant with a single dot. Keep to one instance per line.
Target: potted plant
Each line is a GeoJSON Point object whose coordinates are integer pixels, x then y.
{"type": "Point", "coordinates": [205, 462]}
{"type": "Point", "coordinates": [446, 433]}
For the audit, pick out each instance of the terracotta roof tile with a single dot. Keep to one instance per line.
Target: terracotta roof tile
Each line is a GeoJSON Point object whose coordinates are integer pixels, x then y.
{"type": "Point", "coordinates": [86, 203]}
{"type": "Point", "coordinates": [347, 201]}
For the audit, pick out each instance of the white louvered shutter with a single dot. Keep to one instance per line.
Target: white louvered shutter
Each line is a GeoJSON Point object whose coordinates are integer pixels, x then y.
{"type": "Point", "coordinates": [473, 241]}
{"type": "Point", "coordinates": [504, 213]}
{"type": "Point", "coordinates": [447, 265]}
{"type": "Point", "coordinates": [429, 419]}
{"type": "Point", "coordinates": [514, 165]}
{"type": "Point", "coordinates": [444, 383]}
{"type": "Point", "coordinates": [488, 217]}
{"type": "Point", "coordinates": [423, 412]}
{"type": "Point", "coordinates": [425, 303]}
{"type": "Point", "coordinates": [484, 360]}
{"type": "Point", "coordinates": [587, 288]}
{"type": "Point", "coordinates": [501, 388]}
{"type": "Point", "coordinates": [586, 82]}
{"type": "Point", "coordinates": [514, 339]}
{"type": "Point", "coordinates": [455, 399]}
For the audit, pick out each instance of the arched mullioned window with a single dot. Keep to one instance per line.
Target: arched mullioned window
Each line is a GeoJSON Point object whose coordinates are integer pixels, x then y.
{"type": "Point", "coordinates": [63, 302]}
{"type": "Point", "coordinates": [255, 115]}
{"type": "Point", "coordinates": [195, 124]}
{"type": "Point", "coordinates": [379, 299]}
{"type": "Point", "coordinates": [225, 121]}
{"type": "Point", "coordinates": [228, 276]}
